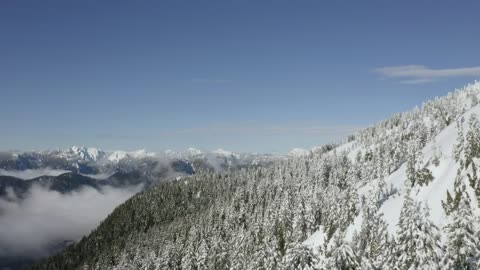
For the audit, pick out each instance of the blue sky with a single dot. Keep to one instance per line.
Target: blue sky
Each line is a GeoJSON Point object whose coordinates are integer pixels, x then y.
{"type": "Point", "coordinates": [261, 76]}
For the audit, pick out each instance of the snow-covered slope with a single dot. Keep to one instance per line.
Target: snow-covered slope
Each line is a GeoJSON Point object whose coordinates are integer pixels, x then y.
{"type": "Point", "coordinates": [445, 172]}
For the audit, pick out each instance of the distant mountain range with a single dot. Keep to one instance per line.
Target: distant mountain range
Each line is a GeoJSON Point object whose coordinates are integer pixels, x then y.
{"type": "Point", "coordinates": [77, 168]}
{"type": "Point", "coordinates": [71, 169]}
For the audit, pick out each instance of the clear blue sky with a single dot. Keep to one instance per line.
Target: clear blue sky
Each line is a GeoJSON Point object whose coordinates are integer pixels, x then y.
{"type": "Point", "coordinates": [262, 76]}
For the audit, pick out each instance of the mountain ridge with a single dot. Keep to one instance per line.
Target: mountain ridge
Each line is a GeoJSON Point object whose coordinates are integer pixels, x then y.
{"type": "Point", "coordinates": [360, 205]}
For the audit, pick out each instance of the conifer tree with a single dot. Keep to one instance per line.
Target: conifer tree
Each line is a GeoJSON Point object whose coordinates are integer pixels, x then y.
{"type": "Point", "coordinates": [188, 259]}
{"type": "Point", "coordinates": [428, 245]}
{"type": "Point", "coordinates": [414, 159]}
{"type": "Point", "coordinates": [437, 153]}
{"type": "Point", "coordinates": [463, 245]}
{"type": "Point", "coordinates": [418, 240]}
{"type": "Point", "coordinates": [373, 240]}
{"type": "Point", "coordinates": [202, 255]}
{"type": "Point", "coordinates": [342, 256]}
{"type": "Point", "coordinates": [472, 140]}
{"type": "Point", "coordinates": [300, 257]}
{"type": "Point", "coordinates": [459, 146]}
{"type": "Point", "coordinates": [273, 259]}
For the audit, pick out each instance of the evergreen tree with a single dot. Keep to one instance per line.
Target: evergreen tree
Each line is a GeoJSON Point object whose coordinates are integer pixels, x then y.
{"type": "Point", "coordinates": [405, 246]}
{"type": "Point", "coordinates": [472, 140]}
{"type": "Point", "coordinates": [437, 153]}
{"type": "Point", "coordinates": [452, 202]}
{"type": "Point", "coordinates": [458, 148]}
{"type": "Point", "coordinates": [373, 240]}
{"type": "Point", "coordinates": [203, 255]}
{"type": "Point", "coordinates": [259, 258]}
{"type": "Point", "coordinates": [342, 256]}
{"type": "Point", "coordinates": [188, 259]}
{"type": "Point", "coordinates": [424, 177]}
{"type": "Point", "coordinates": [428, 244]}
{"type": "Point", "coordinates": [300, 257]}
{"type": "Point", "coordinates": [463, 246]}
{"type": "Point", "coordinates": [273, 259]}
{"type": "Point", "coordinates": [418, 240]}
{"type": "Point", "coordinates": [414, 161]}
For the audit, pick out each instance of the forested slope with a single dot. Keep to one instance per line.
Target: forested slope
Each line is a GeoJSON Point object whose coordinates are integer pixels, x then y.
{"type": "Point", "coordinates": [379, 201]}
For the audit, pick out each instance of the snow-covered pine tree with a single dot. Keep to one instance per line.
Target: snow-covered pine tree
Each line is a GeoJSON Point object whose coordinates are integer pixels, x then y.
{"type": "Point", "coordinates": [188, 259]}
{"type": "Point", "coordinates": [414, 159]}
{"type": "Point", "coordinates": [459, 146]}
{"type": "Point", "coordinates": [452, 202]}
{"type": "Point", "coordinates": [219, 249]}
{"type": "Point", "coordinates": [259, 258]}
{"type": "Point", "coordinates": [428, 245]}
{"type": "Point", "coordinates": [437, 153]}
{"type": "Point", "coordinates": [472, 140]}
{"type": "Point", "coordinates": [405, 246]}
{"type": "Point", "coordinates": [273, 259]}
{"type": "Point", "coordinates": [462, 251]}
{"type": "Point", "coordinates": [372, 242]}
{"type": "Point", "coordinates": [299, 257]}
{"type": "Point", "coordinates": [303, 219]}
{"type": "Point", "coordinates": [203, 255]}
{"type": "Point", "coordinates": [342, 256]}
{"type": "Point", "coordinates": [418, 240]}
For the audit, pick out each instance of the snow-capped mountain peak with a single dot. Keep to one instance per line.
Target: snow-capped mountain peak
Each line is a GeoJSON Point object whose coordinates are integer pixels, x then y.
{"type": "Point", "coordinates": [220, 151]}
{"type": "Point", "coordinates": [169, 153]}
{"type": "Point", "coordinates": [87, 153]}
{"type": "Point", "coordinates": [142, 153]}
{"type": "Point", "coordinates": [117, 156]}
{"type": "Point", "coordinates": [193, 151]}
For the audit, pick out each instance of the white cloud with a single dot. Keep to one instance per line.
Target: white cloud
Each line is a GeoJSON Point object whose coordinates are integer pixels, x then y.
{"type": "Point", "coordinates": [416, 74]}
{"type": "Point", "coordinates": [30, 227]}
{"type": "Point", "coordinates": [417, 81]}
{"type": "Point", "coordinates": [100, 176]}
{"type": "Point", "coordinates": [30, 174]}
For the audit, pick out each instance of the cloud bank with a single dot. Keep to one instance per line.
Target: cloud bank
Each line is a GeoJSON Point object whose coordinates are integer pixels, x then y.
{"type": "Point", "coordinates": [34, 226]}
{"type": "Point", "coordinates": [416, 74]}
{"type": "Point", "coordinates": [30, 174]}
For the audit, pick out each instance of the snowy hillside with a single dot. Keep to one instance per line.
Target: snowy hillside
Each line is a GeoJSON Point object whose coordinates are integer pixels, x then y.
{"type": "Point", "coordinates": [439, 147]}
{"type": "Point", "coordinates": [401, 194]}
{"type": "Point", "coordinates": [436, 155]}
